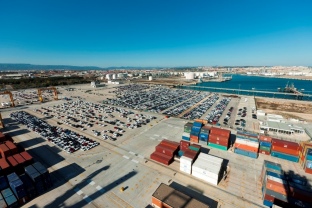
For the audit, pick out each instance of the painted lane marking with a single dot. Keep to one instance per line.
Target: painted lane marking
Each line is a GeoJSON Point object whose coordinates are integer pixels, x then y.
{"type": "Point", "coordinates": [126, 157]}
{"type": "Point", "coordinates": [132, 153]}
{"type": "Point", "coordinates": [141, 156]}
{"type": "Point", "coordinates": [135, 161]}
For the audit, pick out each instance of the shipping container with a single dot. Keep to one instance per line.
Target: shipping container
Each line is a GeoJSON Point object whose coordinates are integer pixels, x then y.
{"type": "Point", "coordinates": [12, 161]}
{"type": "Point", "coordinates": [246, 153]}
{"type": "Point", "coordinates": [285, 150]}
{"type": "Point", "coordinates": [195, 147]}
{"type": "Point", "coordinates": [213, 137]}
{"type": "Point", "coordinates": [264, 152]}
{"type": "Point", "coordinates": [171, 144]}
{"type": "Point", "coordinates": [3, 183]}
{"type": "Point", "coordinates": [221, 132]}
{"type": "Point", "coordinates": [285, 144]}
{"type": "Point", "coordinates": [29, 187]}
{"type": "Point", "coordinates": [5, 151]}
{"type": "Point", "coordinates": [12, 177]}
{"type": "Point", "coordinates": [220, 147]}
{"type": "Point", "coordinates": [12, 147]}
{"type": "Point", "coordinates": [11, 201]}
{"type": "Point", "coordinates": [19, 158]}
{"type": "Point", "coordinates": [5, 167]}
{"type": "Point", "coordinates": [265, 138]}
{"type": "Point", "coordinates": [309, 154]}
{"type": "Point", "coordinates": [197, 124]}
{"type": "Point", "coordinates": [218, 142]}
{"type": "Point", "coordinates": [161, 158]}
{"type": "Point", "coordinates": [27, 157]}
{"type": "Point", "coordinates": [264, 148]}
{"type": "Point", "coordinates": [248, 134]}
{"type": "Point", "coordinates": [284, 156]}
{"type": "Point", "coordinates": [6, 192]}
{"type": "Point", "coordinates": [265, 144]}
{"type": "Point", "coordinates": [246, 147]}
{"type": "Point", "coordinates": [165, 150]}
{"type": "Point", "coordinates": [17, 187]}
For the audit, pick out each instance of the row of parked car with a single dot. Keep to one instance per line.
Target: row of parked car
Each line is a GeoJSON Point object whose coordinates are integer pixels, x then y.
{"type": "Point", "coordinates": [154, 99]}
{"type": "Point", "coordinates": [67, 140]}
{"type": "Point", "coordinates": [177, 110]}
{"type": "Point", "coordinates": [202, 108]}
{"type": "Point", "coordinates": [215, 114]}
{"type": "Point", "coordinates": [86, 115]}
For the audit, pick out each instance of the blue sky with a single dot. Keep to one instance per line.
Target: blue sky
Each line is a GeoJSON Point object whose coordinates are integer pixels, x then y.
{"type": "Point", "coordinates": [156, 32]}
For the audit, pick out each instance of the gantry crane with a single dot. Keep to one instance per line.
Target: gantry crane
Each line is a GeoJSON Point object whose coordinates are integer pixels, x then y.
{"type": "Point", "coordinates": [11, 96]}
{"type": "Point", "coordinates": [44, 89]}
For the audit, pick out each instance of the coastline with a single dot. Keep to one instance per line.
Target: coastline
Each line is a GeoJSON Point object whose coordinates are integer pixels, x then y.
{"type": "Point", "coordinates": [280, 77]}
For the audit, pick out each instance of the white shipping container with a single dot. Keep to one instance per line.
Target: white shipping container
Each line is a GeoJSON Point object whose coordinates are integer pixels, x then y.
{"type": "Point", "coordinates": [246, 142]}
{"type": "Point", "coordinates": [210, 157]}
{"type": "Point", "coordinates": [208, 161]}
{"type": "Point", "coordinates": [186, 134]}
{"type": "Point", "coordinates": [206, 173]}
{"type": "Point", "coordinates": [206, 166]}
{"type": "Point", "coordinates": [272, 178]}
{"type": "Point", "coordinates": [186, 160]}
{"type": "Point", "coordinates": [189, 171]}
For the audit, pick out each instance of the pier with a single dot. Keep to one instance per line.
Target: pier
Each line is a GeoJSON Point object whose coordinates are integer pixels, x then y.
{"type": "Point", "coordinates": [285, 95]}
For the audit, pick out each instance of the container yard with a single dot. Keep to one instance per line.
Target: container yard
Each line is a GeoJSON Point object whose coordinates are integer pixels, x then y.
{"type": "Point", "coordinates": [124, 152]}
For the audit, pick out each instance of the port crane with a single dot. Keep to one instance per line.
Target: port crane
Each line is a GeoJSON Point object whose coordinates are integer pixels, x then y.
{"type": "Point", "coordinates": [44, 89]}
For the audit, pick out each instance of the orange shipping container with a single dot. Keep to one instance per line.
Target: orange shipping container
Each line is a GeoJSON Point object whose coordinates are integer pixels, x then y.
{"type": "Point", "coordinates": [5, 151]}
{"type": "Point", "coordinates": [218, 138]}
{"type": "Point", "coordinates": [277, 187]}
{"type": "Point", "coordinates": [12, 147]}
{"type": "Point", "coordinates": [265, 138]}
{"type": "Point", "coordinates": [308, 170]}
{"type": "Point", "coordinates": [12, 161]}
{"type": "Point", "coordinates": [156, 203]}
{"type": "Point", "coordinates": [173, 145]}
{"type": "Point", "coordinates": [246, 147]}
{"type": "Point", "coordinates": [285, 150]}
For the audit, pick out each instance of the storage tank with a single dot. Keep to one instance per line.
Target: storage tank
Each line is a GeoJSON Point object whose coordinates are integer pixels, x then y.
{"type": "Point", "coordinates": [189, 75]}
{"type": "Point", "coordinates": [150, 78]}
{"type": "Point", "coordinates": [114, 76]}
{"type": "Point", "coordinates": [108, 76]}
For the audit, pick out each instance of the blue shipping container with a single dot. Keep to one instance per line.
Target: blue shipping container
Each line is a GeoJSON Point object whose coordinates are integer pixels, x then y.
{"type": "Point", "coordinates": [28, 185]}
{"type": "Point", "coordinates": [267, 203]}
{"type": "Point", "coordinates": [3, 183]}
{"type": "Point", "coordinates": [195, 133]}
{"type": "Point", "coordinates": [246, 153]}
{"type": "Point", "coordinates": [17, 187]}
{"type": "Point", "coordinates": [274, 174]}
{"type": "Point", "coordinates": [6, 192]}
{"type": "Point", "coordinates": [309, 164]}
{"type": "Point", "coordinates": [12, 177]}
{"type": "Point", "coordinates": [197, 129]}
{"type": "Point", "coordinates": [265, 144]}
{"type": "Point", "coordinates": [197, 124]}
{"type": "Point", "coordinates": [186, 138]}
{"type": "Point", "coordinates": [285, 156]}
{"type": "Point", "coordinates": [272, 165]}
{"type": "Point", "coordinates": [180, 153]}
{"type": "Point", "coordinates": [309, 154]}
{"type": "Point", "coordinates": [203, 137]}
{"type": "Point", "coordinates": [11, 201]}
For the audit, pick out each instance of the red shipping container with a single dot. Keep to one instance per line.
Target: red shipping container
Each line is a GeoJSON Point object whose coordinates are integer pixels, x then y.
{"type": "Point", "coordinates": [219, 142]}
{"type": "Point", "coordinates": [190, 154]}
{"type": "Point", "coordinates": [3, 164]}
{"type": "Point", "coordinates": [308, 170]}
{"type": "Point", "coordinates": [285, 144]}
{"type": "Point", "coordinates": [264, 152]}
{"type": "Point", "coordinates": [12, 147]}
{"type": "Point", "coordinates": [300, 194]}
{"type": "Point", "coordinates": [26, 156]}
{"type": "Point", "coordinates": [269, 198]}
{"type": "Point", "coordinates": [217, 137]}
{"type": "Point", "coordinates": [12, 161]}
{"type": "Point", "coordinates": [265, 138]}
{"type": "Point", "coordinates": [207, 127]}
{"type": "Point", "coordinates": [4, 150]}
{"type": "Point", "coordinates": [285, 150]}
{"type": "Point", "coordinates": [173, 145]}
{"type": "Point", "coordinates": [221, 132]}
{"type": "Point", "coordinates": [164, 150]}
{"type": "Point", "coordinates": [19, 158]}
{"type": "Point", "coordinates": [164, 159]}
{"type": "Point", "coordinates": [186, 143]}
{"type": "Point", "coordinates": [246, 147]}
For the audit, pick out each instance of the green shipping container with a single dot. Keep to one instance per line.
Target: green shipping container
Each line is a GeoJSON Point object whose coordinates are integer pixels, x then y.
{"type": "Point", "coordinates": [187, 130]}
{"type": "Point", "coordinates": [220, 147]}
{"type": "Point", "coordinates": [268, 149]}
{"type": "Point", "coordinates": [194, 148]}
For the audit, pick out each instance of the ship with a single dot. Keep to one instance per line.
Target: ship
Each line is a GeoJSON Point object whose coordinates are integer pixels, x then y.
{"type": "Point", "coordinates": [290, 88]}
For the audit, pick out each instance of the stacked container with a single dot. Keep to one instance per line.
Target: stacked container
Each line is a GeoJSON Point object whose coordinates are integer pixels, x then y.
{"type": "Point", "coordinates": [285, 150]}
{"type": "Point", "coordinates": [207, 168]}
{"type": "Point", "coordinates": [274, 185]}
{"type": "Point", "coordinates": [35, 177]}
{"type": "Point", "coordinates": [305, 156]}
{"type": "Point", "coordinates": [188, 158]}
{"type": "Point", "coordinates": [9, 198]}
{"type": "Point", "coordinates": [45, 175]}
{"type": "Point", "coordinates": [204, 135]}
{"type": "Point", "coordinates": [12, 147]}
{"type": "Point", "coordinates": [165, 151]}
{"type": "Point", "coordinates": [29, 187]}
{"type": "Point", "coordinates": [183, 146]}
{"type": "Point", "coordinates": [247, 145]}
{"type": "Point", "coordinates": [265, 144]}
{"type": "Point", "coordinates": [219, 138]}
{"type": "Point", "coordinates": [186, 136]}
{"type": "Point", "coordinates": [195, 132]}
{"type": "Point", "coordinates": [187, 127]}
{"type": "Point", "coordinates": [17, 186]}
